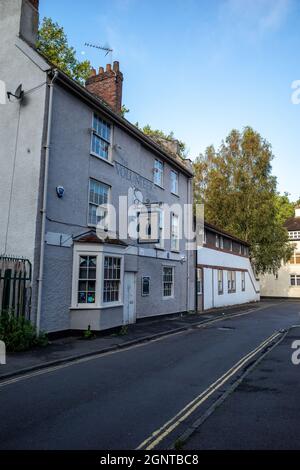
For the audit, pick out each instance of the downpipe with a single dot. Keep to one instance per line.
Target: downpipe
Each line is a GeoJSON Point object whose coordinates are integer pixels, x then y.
{"type": "Point", "coordinates": [44, 207]}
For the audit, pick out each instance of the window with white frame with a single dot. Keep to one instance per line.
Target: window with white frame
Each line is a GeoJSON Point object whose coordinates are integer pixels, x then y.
{"type": "Point", "coordinates": [174, 232]}
{"type": "Point", "coordinates": [231, 278]}
{"type": "Point", "coordinates": [295, 258]}
{"type": "Point", "coordinates": [111, 279]}
{"type": "Point", "coordinates": [294, 235]}
{"type": "Point", "coordinates": [199, 281]}
{"type": "Point", "coordinates": [243, 275]}
{"type": "Point", "coordinates": [158, 173]}
{"type": "Point", "coordinates": [98, 196]}
{"type": "Point", "coordinates": [174, 182]}
{"type": "Point", "coordinates": [168, 281]}
{"type": "Point", "coordinates": [101, 138]}
{"type": "Point", "coordinates": [295, 280]}
{"type": "Point", "coordinates": [220, 281]}
{"type": "Point", "coordinates": [161, 226]}
{"type": "Point", "coordinates": [87, 280]}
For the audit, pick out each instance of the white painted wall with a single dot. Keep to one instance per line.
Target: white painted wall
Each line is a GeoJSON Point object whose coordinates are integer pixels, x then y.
{"type": "Point", "coordinates": [214, 259]}
{"type": "Point", "coordinates": [280, 287]}
{"type": "Point", "coordinates": [21, 129]}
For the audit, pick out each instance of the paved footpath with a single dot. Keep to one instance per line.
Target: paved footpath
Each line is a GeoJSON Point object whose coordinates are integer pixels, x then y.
{"type": "Point", "coordinates": [264, 410]}
{"type": "Point", "coordinates": [127, 398]}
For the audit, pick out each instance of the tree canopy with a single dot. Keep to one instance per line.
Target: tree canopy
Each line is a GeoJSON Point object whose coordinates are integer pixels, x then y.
{"type": "Point", "coordinates": [53, 44]}
{"type": "Point", "coordinates": [240, 195]}
{"type": "Point", "coordinates": [148, 130]}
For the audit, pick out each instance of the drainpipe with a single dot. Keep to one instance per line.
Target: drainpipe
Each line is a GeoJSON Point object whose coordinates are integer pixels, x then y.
{"type": "Point", "coordinates": [44, 207]}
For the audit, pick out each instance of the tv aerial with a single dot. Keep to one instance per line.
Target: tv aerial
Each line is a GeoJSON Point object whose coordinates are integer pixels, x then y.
{"type": "Point", "coordinates": [106, 49]}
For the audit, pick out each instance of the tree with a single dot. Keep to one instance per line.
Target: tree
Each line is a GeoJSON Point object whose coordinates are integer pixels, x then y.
{"type": "Point", "coordinates": [53, 44]}
{"type": "Point", "coordinates": [239, 192]}
{"type": "Point", "coordinates": [154, 133]}
{"type": "Point", "coordinates": [285, 208]}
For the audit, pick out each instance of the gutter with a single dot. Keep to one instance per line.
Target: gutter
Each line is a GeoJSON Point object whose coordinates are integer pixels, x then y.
{"type": "Point", "coordinates": [44, 207]}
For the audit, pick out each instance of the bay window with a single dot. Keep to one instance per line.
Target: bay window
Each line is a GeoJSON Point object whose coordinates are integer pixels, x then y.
{"type": "Point", "coordinates": [111, 279]}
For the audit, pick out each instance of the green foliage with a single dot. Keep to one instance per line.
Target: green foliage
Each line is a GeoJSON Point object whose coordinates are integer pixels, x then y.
{"type": "Point", "coordinates": [18, 333]}
{"type": "Point", "coordinates": [284, 207]}
{"type": "Point", "coordinates": [124, 110]}
{"type": "Point", "coordinates": [123, 331]}
{"type": "Point", "coordinates": [53, 43]}
{"type": "Point", "coordinates": [158, 133]}
{"type": "Point", "coordinates": [239, 192]}
{"type": "Point", "coordinates": [88, 334]}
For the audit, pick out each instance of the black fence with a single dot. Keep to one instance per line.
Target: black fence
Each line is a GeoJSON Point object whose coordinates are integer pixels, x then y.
{"type": "Point", "coordinates": [15, 285]}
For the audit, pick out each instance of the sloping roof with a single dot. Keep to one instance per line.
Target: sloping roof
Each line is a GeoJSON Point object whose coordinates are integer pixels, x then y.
{"type": "Point", "coordinates": [292, 224]}
{"type": "Point", "coordinates": [217, 230]}
{"type": "Point", "coordinates": [91, 237]}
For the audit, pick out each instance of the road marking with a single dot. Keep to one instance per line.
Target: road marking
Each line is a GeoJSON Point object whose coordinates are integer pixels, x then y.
{"type": "Point", "coordinates": [47, 370]}
{"type": "Point", "coordinates": [157, 436]}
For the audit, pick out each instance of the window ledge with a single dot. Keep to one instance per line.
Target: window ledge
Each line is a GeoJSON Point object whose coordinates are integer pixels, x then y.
{"type": "Point", "coordinates": [158, 185]}
{"type": "Point", "coordinates": [175, 194]}
{"type": "Point", "coordinates": [99, 307]}
{"type": "Point", "coordinates": [102, 159]}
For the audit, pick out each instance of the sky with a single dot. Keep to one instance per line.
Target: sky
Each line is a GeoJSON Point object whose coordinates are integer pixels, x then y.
{"type": "Point", "coordinates": [200, 68]}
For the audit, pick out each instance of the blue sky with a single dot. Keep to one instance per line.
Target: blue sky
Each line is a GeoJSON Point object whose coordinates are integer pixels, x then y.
{"type": "Point", "coordinates": [200, 67]}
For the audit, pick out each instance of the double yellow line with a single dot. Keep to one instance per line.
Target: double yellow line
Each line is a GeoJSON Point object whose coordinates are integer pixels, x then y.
{"type": "Point", "coordinates": [161, 433]}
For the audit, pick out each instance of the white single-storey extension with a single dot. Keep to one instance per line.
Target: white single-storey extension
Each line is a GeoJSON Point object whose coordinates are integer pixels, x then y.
{"type": "Point", "coordinates": [224, 272]}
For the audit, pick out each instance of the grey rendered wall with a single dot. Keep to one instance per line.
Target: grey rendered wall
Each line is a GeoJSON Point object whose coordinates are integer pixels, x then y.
{"type": "Point", "coordinates": [71, 166]}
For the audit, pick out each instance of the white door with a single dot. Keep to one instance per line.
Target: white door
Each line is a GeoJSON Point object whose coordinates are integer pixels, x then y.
{"type": "Point", "coordinates": [129, 298]}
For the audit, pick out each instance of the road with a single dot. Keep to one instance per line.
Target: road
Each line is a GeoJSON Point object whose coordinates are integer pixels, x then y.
{"type": "Point", "coordinates": [118, 400]}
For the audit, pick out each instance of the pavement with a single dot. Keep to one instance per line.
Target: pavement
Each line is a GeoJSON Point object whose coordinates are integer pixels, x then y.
{"type": "Point", "coordinates": [263, 412]}
{"type": "Point", "coordinates": [119, 399]}
{"type": "Point", "coordinates": [71, 348]}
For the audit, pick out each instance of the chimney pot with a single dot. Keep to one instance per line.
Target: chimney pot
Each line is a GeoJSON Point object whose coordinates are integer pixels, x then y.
{"type": "Point", "coordinates": [108, 67]}
{"type": "Point", "coordinates": [93, 73]}
{"type": "Point", "coordinates": [101, 70]}
{"type": "Point", "coordinates": [116, 66]}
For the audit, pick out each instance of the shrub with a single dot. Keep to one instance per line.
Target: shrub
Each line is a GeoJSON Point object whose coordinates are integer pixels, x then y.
{"type": "Point", "coordinates": [18, 333]}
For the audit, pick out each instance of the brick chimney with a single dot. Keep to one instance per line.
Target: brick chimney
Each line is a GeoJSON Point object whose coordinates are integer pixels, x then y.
{"type": "Point", "coordinates": [107, 85]}
{"type": "Point", "coordinates": [29, 21]}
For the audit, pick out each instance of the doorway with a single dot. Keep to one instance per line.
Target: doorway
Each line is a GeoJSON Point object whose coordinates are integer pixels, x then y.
{"type": "Point", "coordinates": [129, 298]}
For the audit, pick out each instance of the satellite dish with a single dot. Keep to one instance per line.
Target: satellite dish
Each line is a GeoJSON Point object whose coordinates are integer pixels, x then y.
{"type": "Point", "coordinates": [18, 94]}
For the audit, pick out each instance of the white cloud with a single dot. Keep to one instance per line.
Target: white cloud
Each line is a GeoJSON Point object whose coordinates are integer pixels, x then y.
{"type": "Point", "coordinates": [254, 18]}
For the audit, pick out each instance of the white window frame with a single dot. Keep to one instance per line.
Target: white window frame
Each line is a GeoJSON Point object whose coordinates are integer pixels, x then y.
{"type": "Point", "coordinates": [115, 302]}
{"type": "Point", "coordinates": [231, 282]}
{"type": "Point", "coordinates": [175, 238]}
{"type": "Point", "coordinates": [294, 235]}
{"type": "Point", "coordinates": [108, 142]}
{"type": "Point", "coordinates": [161, 227]}
{"type": "Point", "coordinates": [105, 208]}
{"type": "Point", "coordinates": [86, 304]}
{"type": "Point", "coordinates": [243, 281]}
{"type": "Point", "coordinates": [176, 180]}
{"type": "Point", "coordinates": [90, 249]}
{"type": "Point", "coordinates": [220, 282]}
{"type": "Point", "coordinates": [159, 171]}
{"type": "Point", "coordinates": [199, 281]}
{"type": "Point", "coordinates": [296, 278]}
{"type": "Point", "coordinates": [166, 297]}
